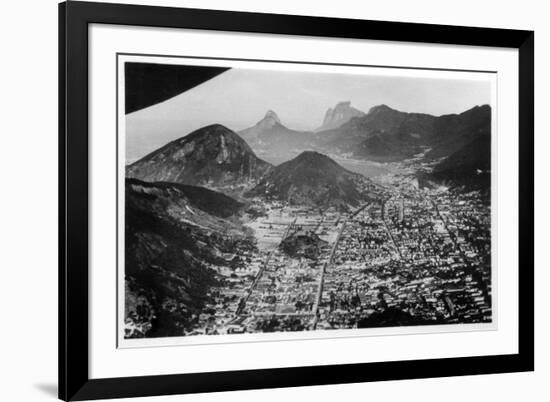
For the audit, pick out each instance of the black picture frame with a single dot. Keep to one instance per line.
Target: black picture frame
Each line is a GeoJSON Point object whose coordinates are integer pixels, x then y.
{"type": "Point", "coordinates": [74, 19]}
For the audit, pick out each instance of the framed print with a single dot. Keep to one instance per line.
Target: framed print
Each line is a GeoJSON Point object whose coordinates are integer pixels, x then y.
{"type": "Point", "coordinates": [259, 201]}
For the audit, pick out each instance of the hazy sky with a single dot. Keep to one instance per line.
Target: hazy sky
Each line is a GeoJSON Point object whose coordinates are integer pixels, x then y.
{"type": "Point", "coordinates": [239, 98]}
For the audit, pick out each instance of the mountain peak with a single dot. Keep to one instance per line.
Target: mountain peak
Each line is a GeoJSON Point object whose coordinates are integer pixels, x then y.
{"type": "Point", "coordinates": [312, 156]}
{"type": "Point", "coordinates": [270, 133]}
{"type": "Point", "coordinates": [213, 133]}
{"type": "Point", "coordinates": [478, 109]}
{"type": "Point", "coordinates": [210, 156]}
{"type": "Point", "coordinates": [380, 109]}
{"type": "Point", "coordinates": [314, 160]}
{"type": "Point", "coordinates": [270, 120]}
{"type": "Point", "coordinates": [340, 114]}
{"type": "Point", "coordinates": [310, 178]}
{"type": "Point", "coordinates": [343, 105]}
{"type": "Point", "coordinates": [212, 129]}
{"type": "Point", "coordinates": [270, 114]}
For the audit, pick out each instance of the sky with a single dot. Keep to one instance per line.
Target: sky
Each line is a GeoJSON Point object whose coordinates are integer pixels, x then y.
{"type": "Point", "coordinates": [239, 98]}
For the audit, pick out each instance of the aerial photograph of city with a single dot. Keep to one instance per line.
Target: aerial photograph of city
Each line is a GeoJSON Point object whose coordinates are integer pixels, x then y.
{"type": "Point", "coordinates": [273, 200]}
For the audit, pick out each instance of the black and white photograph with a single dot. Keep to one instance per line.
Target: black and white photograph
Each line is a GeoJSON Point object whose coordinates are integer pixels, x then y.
{"type": "Point", "coordinates": [262, 198]}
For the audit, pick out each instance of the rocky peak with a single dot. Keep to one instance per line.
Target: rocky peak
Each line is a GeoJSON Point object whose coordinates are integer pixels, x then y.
{"type": "Point", "coordinates": [379, 109]}
{"type": "Point", "coordinates": [270, 119]}
{"type": "Point", "coordinates": [340, 114]}
{"type": "Point", "coordinates": [342, 105]}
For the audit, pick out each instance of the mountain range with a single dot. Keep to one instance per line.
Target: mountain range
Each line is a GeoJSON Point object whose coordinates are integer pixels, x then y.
{"type": "Point", "coordinates": [216, 157]}
{"type": "Point", "coordinates": [385, 134]}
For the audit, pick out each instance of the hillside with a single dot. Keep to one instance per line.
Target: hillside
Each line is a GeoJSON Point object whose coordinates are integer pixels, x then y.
{"type": "Point", "coordinates": [385, 134]}
{"type": "Point", "coordinates": [470, 166]}
{"type": "Point", "coordinates": [454, 131]}
{"type": "Point", "coordinates": [311, 179]}
{"type": "Point", "coordinates": [212, 156]}
{"type": "Point", "coordinates": [174, 235]}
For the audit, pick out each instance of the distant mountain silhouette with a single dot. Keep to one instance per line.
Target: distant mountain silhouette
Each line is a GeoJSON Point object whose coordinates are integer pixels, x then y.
{"type": "Point", "coordinates": [260, 131]}
{"type": "Point", "coordinates": [342, 113]}
{"type": "Point", "coordinates": [385, 134]}
{"type": "Point", "coordinates": [271, 135]}
{"type": "Point", "coordinates": [311, 179]}
{"type": "Point", "coordinates": [211, 156]}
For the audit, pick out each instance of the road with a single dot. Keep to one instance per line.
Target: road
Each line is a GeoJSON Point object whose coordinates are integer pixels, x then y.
{"type": "Point", "coordinates": [388, 231]}
{"type": "Point", "coordinates": [262, 269]}
{"type": "Point", "coordinates": [392, 239]}
{"type": "Point", "coordinates": [358, 210]}
{"type": "Point", "coordinates": [256, 279]}
{"type": "Point", "coordinates": [289, 228]}
{"type": "Point", "coordinates": [328, 264]}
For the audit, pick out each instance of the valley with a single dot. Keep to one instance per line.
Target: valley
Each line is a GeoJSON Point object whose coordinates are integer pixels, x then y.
{"type": "Point", "coordinates": [266, 231]}
{"type": "Point", "coordinates": [409, 260]}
